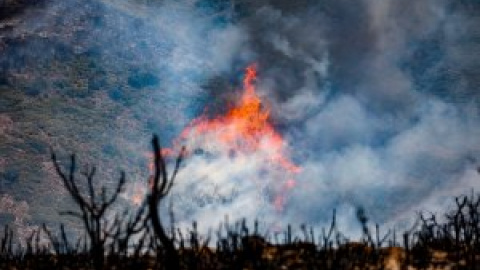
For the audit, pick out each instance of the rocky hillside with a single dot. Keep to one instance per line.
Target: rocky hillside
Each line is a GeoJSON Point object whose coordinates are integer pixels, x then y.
{"type": "Point", "coordinates": [63, 87]}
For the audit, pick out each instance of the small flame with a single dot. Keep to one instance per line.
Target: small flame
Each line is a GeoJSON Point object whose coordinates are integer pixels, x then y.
{"type": "Point", "coordinates": [244, 129]}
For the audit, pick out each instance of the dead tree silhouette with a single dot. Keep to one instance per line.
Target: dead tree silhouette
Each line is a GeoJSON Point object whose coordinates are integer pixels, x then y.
{"type": "Point", "coordinates": [93, 207]}
{"type": "Point", "coordinates": [160, 186]}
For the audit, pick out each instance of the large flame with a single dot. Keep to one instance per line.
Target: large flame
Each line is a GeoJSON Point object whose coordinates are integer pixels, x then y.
{"type": "Point", "coordinates": [244, 129]}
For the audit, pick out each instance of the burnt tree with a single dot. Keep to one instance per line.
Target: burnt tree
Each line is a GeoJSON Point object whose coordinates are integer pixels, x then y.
{"type": "Point", "coordinates": [93, 207]}
{"type": "Point", "coordinates": [160, 186]}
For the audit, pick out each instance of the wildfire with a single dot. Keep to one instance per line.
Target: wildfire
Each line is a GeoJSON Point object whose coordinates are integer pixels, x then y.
{"type": "Point", "coordinates": [244, 129]}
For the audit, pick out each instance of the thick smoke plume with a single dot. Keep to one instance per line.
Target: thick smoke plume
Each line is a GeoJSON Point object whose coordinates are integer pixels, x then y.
{"type": "Point", "coordinates": [377, 101]}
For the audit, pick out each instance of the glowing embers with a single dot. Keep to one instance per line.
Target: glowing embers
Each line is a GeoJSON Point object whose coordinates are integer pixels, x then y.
{"type": "Point", "coordinates": [244, 131]}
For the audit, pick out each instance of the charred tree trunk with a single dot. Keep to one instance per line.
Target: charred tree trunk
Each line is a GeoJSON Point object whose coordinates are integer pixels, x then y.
{"type": "Point", "coordinates": [160, 187]}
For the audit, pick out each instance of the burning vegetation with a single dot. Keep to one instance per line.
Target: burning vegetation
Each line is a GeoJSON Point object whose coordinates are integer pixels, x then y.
{"type": "Point", "coordinates": [245, 130]}
{"type": "Point", "coordinates": [137, 237]}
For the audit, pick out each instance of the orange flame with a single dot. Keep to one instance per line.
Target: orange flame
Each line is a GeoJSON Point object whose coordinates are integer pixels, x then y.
{"type": "Point", "coordinates": [244, 129]}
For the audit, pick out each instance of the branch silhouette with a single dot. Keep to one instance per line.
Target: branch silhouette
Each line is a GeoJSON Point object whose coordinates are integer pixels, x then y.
{"type": "Point", "coordinates": [160, 186]}
{"type": "Point", "coordinates": [93, 207]}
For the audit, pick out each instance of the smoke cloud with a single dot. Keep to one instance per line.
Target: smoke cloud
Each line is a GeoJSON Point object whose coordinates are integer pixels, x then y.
{"type": "Point", "coordinates": [378, 101]}
{"type": "Point", "coordinates": [376, 105]}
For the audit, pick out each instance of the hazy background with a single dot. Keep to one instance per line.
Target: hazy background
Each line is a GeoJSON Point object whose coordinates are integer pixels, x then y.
{"type": "Point", "coordinates": [378, 102]}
